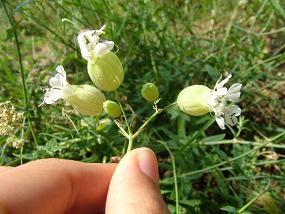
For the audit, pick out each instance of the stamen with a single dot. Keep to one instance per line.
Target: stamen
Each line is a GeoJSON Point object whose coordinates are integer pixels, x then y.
{"type": "Point", "coordinates": [71, 22]}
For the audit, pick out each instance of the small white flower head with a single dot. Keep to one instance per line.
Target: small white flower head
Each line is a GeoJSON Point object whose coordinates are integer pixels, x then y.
{"type": "Point", "coordinates": [222, 102]}
{"type": "Point", "coordinates": [59, 87]}
{"type": "Point", "coordinates": [91, 44]}
{"type": "Point", "coordinates": [86, 99]}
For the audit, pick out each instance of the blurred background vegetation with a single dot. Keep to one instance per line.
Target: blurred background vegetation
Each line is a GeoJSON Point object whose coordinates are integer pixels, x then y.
{"type": "Point", "coordinates": [173, 44]}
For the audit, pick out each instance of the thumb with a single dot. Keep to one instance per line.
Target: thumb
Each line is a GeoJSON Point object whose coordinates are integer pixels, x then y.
{"type": "Point", "coordinates": [134, 186]}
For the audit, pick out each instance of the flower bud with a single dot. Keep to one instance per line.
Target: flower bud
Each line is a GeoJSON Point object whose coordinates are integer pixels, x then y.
{"type": "Point", "coordinates": [112, 108]}
{"type": "Point", "coordinates": [103, 124]}
{"type": "Point", "coordinates": [150, 92]}
{"type": "Point", "coordinates": [106, 72]}
{"type": "Point", "coordinates": [193, 100]}
{"type": "Point", "coordinates": [86, 99]}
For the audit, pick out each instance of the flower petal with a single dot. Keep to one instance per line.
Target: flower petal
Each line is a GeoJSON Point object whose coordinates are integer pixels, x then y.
{"type": "Point", "coordinates": [84, 47]}
{"type": "Point", "coordinates": [235, 88]}
{"type": "Point", "coordinates": [221, 122]}
{"type": "Point", "coordinates": [60, 69]}
{"type": "Point", "coordinates": [52, 95]}
{"type": "Point", "coordinates": [221, 91]}
{"type": "Point", "coordinates": [100, 31]}
{"type": "Point", "coordinates": [233, 97]}
{"type": "Point", "coordinates": [103, 48]}
{"type": "Point", "coordinates": [234, 109]}
{"type": "Point", "coordinates": [231, 112]}
{"type": "Point", "coordinates": [92, 37]}
{"type": "Point", "coordinates": [59, 80]}
{"type": "Point", "coordinates": [55, 82]}
{"type": "Point", "coordinates": [233, 94]}
{"type": "Point", "coordinates": [221, 84]}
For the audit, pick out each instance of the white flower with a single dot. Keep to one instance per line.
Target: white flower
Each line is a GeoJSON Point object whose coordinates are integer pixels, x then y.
{"type": "Point", "coordinates": [225, 112]}
{"type": "Point", "coordinates": [91, 45]}
{"type": "Point", "coordinates": [59, 87]}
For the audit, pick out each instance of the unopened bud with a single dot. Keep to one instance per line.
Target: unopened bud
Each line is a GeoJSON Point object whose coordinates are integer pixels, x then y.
{"type": "Point", "coordinates": [106, 72]}
{"type": "Point", "coordinates": [193, 100]}
{"type": "Point", "coordinates": [112, 108]}
{"type": "Point", "coordinates": [150, 92]}
{"type": "Point", "coordinates": [86, 99]}
{"type": "Point", "coordinates": [103, 124]}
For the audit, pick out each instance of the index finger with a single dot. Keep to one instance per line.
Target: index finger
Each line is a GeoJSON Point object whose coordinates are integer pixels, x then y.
{"type": "Point", "coordinates": [55, 186]}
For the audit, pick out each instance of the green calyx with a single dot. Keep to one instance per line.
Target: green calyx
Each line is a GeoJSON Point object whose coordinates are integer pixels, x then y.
{"type": "Point", "coordinates": [106, 72]}
{"type": "Point", "coordinates": [86, 99]}
{"type": "Point", "coordinates": [193, 100]}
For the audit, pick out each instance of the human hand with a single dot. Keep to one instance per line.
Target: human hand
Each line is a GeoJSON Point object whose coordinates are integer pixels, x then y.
{"type": "Point", "coordinates": [65, 186]}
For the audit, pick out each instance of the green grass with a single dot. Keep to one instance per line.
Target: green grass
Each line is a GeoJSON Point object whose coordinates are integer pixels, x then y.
{"type": "Point", "coordinates": [172, 44]}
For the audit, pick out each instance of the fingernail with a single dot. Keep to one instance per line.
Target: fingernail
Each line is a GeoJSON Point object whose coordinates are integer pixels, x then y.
{"type": "Point", "coordinates": [148, 163]}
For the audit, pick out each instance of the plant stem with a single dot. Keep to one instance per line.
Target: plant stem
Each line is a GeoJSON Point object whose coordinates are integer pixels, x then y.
{"type": "Point", "coordinates": [12, 23]}
{"type": "Point", "coordinates": [137, 133]}
{"type": "Point", "coordinates": [174, 177]}
{"type": "Point", "coordinates": [130, 144]}
{"type": "Point", "coordinates": [223, 142]}
{"type": "Point", "coordinates": [141, 128]}
{"type": "Point", "coordinates": [129, 134]}
{"type": "Point", "coordinates": [241, 210]}
{"type": "Point", "coordinates": [131, 137]}
{"type": "Point", "coordinates": [24, 87]}
{"type": "Point", "coordinates": [151, 118]}
{"type": "Point", "coordinates": [22, 147]}
{"type": "Point", "coordinates": [123, 111]}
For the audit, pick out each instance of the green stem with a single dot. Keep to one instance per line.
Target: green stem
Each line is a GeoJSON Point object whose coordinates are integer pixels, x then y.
{"type": "Point", "coordinates": [174, 177]}
{"type": "Point", "coordinates": [130, 144]}
{"type": "Point", "coordinates": [22, 147]}
{"type": "Point", "coordinates": [12, 23]}
{"type": "Point", "coordinates": [151, 118]}
{"type": "Point", "coordinates": [123, 111]}
{"type": "Point", "coordinates": [24, 87]}
{"type": "Point", "coordinates": [137, 133]}
{"type": "Point", "coordinates": [272, 145]}
{"type": "Point", "coordinates": [131, 137]}
{"type": "Point", "coordinates": [196, 135]}
{"type": "Point", "coordinates": [241, 210]}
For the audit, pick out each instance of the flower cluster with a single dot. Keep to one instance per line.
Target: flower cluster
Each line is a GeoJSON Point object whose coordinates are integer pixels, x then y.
{"type": "Point", "coordinates": [104, 69]}
{"type": "Point", "coordinates": [10, 119]}
{"type": "Point", "coordinates": [15, 142]}
{"type": "Point", "coordinates": [107, 73]}
{"type": "Point", "coordinates": [11, 122]}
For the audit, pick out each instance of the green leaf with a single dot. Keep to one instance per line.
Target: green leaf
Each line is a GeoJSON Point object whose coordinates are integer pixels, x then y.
{"type": "Point", "coordinates": [213, 72]}
{"type": "Point", "coordinates": [278, 8]}
{"type": "Point", "coordinates": [229, 209]}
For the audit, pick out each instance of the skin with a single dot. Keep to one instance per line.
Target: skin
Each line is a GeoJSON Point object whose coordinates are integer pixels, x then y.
{"type": "Point", "coordinates": [65, 186]}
